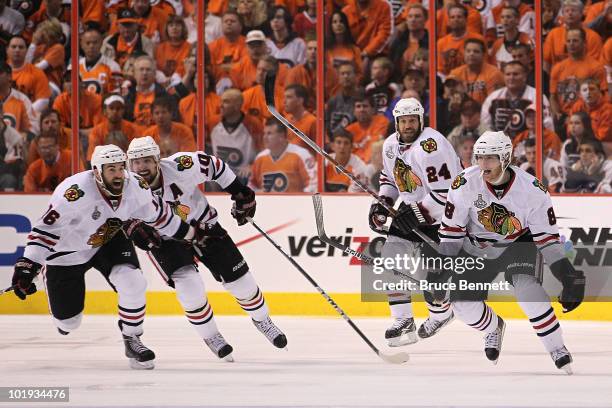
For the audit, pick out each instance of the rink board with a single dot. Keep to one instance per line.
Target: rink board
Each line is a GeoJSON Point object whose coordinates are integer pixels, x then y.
{"type": "Point", "coordinates": [290, 218]}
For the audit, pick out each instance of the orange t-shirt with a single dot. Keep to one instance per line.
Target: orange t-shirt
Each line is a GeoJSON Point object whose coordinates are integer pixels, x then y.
{"type": "Point", "coordinates": [90, 109]}
{"type": "Point", "coordinates": [290, 173]}
{"type": "Point", "coordinates": [554, 45]}
{"type": "Point", "coordinates": [364, 137]}
{"type": "Point", "coordinates": [16, 113]}
{"type": "Point", "coordinates": [170, 59]}
{"type": "Point", "coordinates": [371, 27]}
{"type": "Point", "coordinates": [222, 51]}
{"type": "Point", "coordinates": [479, 85]}
{"type": "Point", "coordinates": [552, 143]}
{"type": "Point", "coordinates": [601, 118]}
{"type": "Point", "coordinates": [606, 56]}
{"type": "Point", "coordinates": [307, 124]}
{"type": "Point", "coordinates": [593, 11]}
{"type": "Point", "coordinates": [93, 10]}
{"type": "Point", "coordinates": [293, 6]}
{"type": "Point", "coordinates": [243, 74]}
{"type": "Point", "coordinates": [143, 115]}
{"type": "Point", "coordinates": [565, 79]}
{"type": "Point", "coordinates": [450, 51]}
{"type": "Point", "coordinates": [474, 22]}
{"type": "Point", "coordinates": [32, 81]}
{"type": "Point", "coordinates": [307, 78]}
{"type": "Point", "coordinates": [255, 102]}
{"type": "Point", "coordinates": [217, 7]}
{"type": "Point", "coordinates": [188, 111]}
{"type": "Point", "coordinates": [99, 133]}
{"type": "Point", "coordinates": [179, 133]}
{"type": "Point", "coordinates": [54, 56]}
{"type": "Point", "coordinates": [41, 178]}
{"type": "Point", "coordinates": [342, 53]}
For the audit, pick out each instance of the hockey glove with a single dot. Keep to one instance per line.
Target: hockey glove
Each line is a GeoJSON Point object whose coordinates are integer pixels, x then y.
{"type": "Point", "coordinates": [204, 232]}
{"type": "Point", "coordinates": [378, 214]}
{"type": "Point", "coordinates": [411, 217]}
{"type": "Point", "coordinates": [143, 235]}
{"type": "Point", "coordinates": [573, 282]}
{"type": "Point", "coordinates": [25, 272]}
{"type": "Point", "coordinates": [244, 205]}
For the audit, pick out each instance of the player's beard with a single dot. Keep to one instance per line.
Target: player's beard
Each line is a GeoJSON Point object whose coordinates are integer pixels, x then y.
{"type": "Point", "coordinates": [148, 175]}
{"type": "Point", "coordinates": [116, 185]}
{"type": "Point", "coordinates": [408, 136]}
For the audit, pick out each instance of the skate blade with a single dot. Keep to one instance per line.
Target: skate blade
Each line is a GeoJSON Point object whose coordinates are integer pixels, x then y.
{"type": "Point", "coordinates": [403, 340]}
{"type": "Point", "coordinates": [141, 365]}
{"type": "Point", "coordinates": [568, 369]}
{"type": "Point", "coordinates": [229, 358]}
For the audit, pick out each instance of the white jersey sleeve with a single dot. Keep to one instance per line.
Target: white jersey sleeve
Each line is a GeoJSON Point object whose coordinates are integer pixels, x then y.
{"type": "Point", "coordinates": [388, 188]}
{"type": "Point", "coordinates": [542, 224]}
{"type": "Point", "coordinates": [203, 167]}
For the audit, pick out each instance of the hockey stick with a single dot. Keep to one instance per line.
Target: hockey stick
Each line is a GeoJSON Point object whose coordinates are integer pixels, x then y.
{"type": "Point", "coordinates": [397, 358]}
{"type": "Point", "coordinates": [318, 207]}
{"type": "Point", "coordinates": [9, 289]}
{"type": "Point", "coordinates": [269, 92]}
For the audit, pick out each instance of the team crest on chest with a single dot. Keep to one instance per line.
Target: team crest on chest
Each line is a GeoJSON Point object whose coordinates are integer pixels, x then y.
{"type": "Point", "coordinates": [105, 232]}
{"type": "Point", "coordinates": [183, 162]}
{"type": "Point", "coordinates": [142, 183]}
{"type": "Point", "coordinates": [405, 178]}
{"type": "Point", "coordinates": [496, 218]}
{"type": "Point", "coordinates": [539, 185]}
{"type": "Point", "coordinates": [458, 181]}
{"type": "Point", "coordinates": [73, 193]}
{"type": "Point", "coordinates": [429, 145]}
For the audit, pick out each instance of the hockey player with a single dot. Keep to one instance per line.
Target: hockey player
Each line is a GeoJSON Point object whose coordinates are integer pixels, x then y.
{"type": "Point", "coordinates": [418, 166]}
{"type": "Point", "coordinates": [176, 179]}
{"type": "Point", "coordinates": [501, 212]}
{"type": "Point", "coordinates": [88, 222]}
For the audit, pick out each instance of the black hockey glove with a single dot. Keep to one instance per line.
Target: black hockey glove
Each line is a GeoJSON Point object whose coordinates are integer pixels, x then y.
{"type": "Point", "coordinates": [25, 272]}
{"type": "Point", "coordinates": [204, 232]}
{"type": "Point", "coordinates": [244, 201]}
{"type": "Point", "coordinates": [573, 282]}
{"type": "Point", "coordinates": [143, 235]}
{"type": "Point", "coordinates": [412, 216]}
{"type": "Point", "coordinates": [378, 214]}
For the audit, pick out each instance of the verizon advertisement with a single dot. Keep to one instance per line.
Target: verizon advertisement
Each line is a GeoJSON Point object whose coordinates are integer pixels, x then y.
{"type": "Point", "coordinates": [290, 221]}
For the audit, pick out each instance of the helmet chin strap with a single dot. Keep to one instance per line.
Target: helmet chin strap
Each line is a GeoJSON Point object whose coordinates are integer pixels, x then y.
{"type": "Point", "coordinates": [105, 189]}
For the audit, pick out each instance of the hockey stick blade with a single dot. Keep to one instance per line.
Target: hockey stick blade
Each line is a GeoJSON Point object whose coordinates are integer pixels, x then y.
{"type": "Point", "coordinates": [9, 289]}
{"type": "Point", "coordinates": [269, 88]}
{"type": "Point", "coordinates": [398, 358]}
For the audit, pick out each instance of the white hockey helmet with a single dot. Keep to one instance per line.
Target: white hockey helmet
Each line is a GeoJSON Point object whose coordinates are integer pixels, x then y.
{"type": "Point", "coordinates": [143, 147]}
{"type": "Point", "coordinates": [408, 106]}
{"type": "Point", "coordinates": [106, 154]}
{"type": "Point", "coordinates": [494, 143]}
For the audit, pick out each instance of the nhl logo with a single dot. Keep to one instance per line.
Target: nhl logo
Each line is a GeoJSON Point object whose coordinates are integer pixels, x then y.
{"type": "Point", "coordinates": [480, 203]}
{"type": "Point", "coordinates": [95, 214]}
{"type": "Point", "coordinates": [389, 152]}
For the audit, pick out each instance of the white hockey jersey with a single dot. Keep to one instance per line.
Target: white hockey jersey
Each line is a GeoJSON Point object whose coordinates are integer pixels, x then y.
{"type": "Point", "coordinates": [182, 173]}
{"type": "Point", "coordinates": [422, 172]}
{"type": "Point", "coordinates": [80, 219]}
{"type": "Point", "coordinates": [476, 220]}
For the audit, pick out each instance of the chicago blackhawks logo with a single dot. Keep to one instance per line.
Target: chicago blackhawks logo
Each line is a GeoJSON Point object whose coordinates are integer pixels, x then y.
{"type": "Point", "coordinates": [539, 185]}
{"type": "Point", "coordinates": [73, 193]}
{"type": "Point", "coordinates": [458, 181]}
{"type": "Point", "coordinates": [142, 183]}
{"type": "Point", "coordinates": [405, 178]}
{"type": "Point", "coordinates": [183, 162]}
{"type": "Point", "coordinates": [105, 232]}
{"type": "Point", "coordinates": [496, 218]}
{"type": "Point", "coordinates": [429, 145]}
{"type": "Point", "coordinates": [181, 210]}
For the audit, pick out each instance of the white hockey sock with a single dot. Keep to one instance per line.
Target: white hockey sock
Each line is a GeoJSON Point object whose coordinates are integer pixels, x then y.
{"type": "Point", "coordinates": [249, 296]}
{"type": "Point", "coordinates": [439, 311]}
{"type": "Point", "coordinates": [191, 293]}
{"type": "Point", "coordinates": [534, 301]}
{"type": "Point", "coordinates": [476, 314]}
{"type": "Point", "coordinates": [400, 305]}
{"type": "Point", "coordinates": [131, 286]}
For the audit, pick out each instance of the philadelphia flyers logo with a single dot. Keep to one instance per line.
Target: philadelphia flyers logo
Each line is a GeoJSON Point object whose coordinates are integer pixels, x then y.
{"type": "Point", "coordinates": [92, 86]}
{"type": "Point", "coordinates": [275, 182]}
{"type": "Point", "coordinates": [230, 155]}
{"type": "Point", "coordinates": [10, 120]}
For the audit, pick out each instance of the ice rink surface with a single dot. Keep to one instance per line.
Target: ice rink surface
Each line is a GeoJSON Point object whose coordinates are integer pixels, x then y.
{"type": "Point", "coordinates": [326, 365]}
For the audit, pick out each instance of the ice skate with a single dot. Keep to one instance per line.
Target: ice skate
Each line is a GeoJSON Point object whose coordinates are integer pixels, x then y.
{"type": "Point", "coordinates": [220, 347]}
{"type": "Point", "coordinates": [431, 327]}
{"type": "Point", "coordinates": [402, 332]}
{"type": "Point", "coordinates": [141, 357]}
{"type": "Point", "coordinates": [272, 333]}
{"type": "Point", "coordinates": [493, 341]}
{"type": "Point", "coordinates": [562, 359]}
